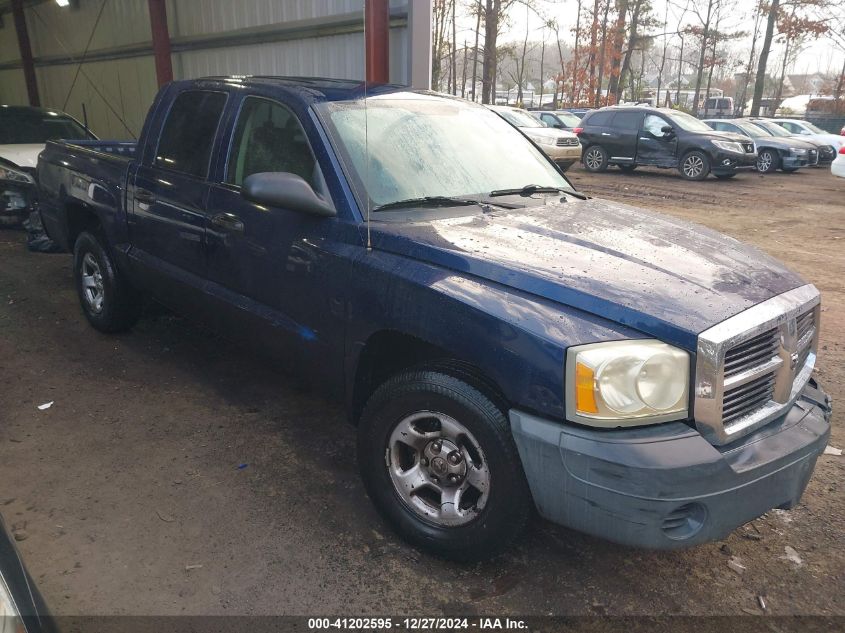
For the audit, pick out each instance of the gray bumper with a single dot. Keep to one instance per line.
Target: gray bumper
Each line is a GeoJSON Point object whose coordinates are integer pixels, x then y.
{"type": "Point", "coordinates": [665, 486]}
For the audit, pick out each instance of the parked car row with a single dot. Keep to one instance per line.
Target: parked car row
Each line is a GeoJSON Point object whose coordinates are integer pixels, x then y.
{"type": "Point", "coordinates": [560, 145]}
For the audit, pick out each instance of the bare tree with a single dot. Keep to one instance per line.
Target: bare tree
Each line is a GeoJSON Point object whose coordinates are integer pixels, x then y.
{"type": "Point", "coordinates": [760, 80]}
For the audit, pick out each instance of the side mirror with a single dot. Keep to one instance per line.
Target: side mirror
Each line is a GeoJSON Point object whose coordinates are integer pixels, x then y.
{"type": "Point", "coordinates": [806, 133]}
{"type": "Point", "coordinates": [559, 126]}
{"type": "Point", "coordinates": [285, 190]}
{"type": "Point", "coordinates": [667, 129]}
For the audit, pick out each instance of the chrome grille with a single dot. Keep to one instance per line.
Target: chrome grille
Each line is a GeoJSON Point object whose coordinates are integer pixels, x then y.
{"type": "Point", "coordinates": [563, 141]}
{"type": "Point", "coordinates": [751, 367]}
{"type": "Point", "coordinates": [751, 353]}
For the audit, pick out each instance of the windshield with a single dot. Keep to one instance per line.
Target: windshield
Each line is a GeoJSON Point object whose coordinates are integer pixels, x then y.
{"type": "Point", "coordinates": [37, 126]}
{"type": "Point", "coordinates": [688, 122]}
{"type": "Point", "coordinates": [814, 128]}
{"type": "Point", "coordinates": [422, 145]}
{"type": "Point", "coordinates": [569, 119]}
{"type": "Point", "coordinates": [773, 129]}
{"type": "Point", "coordinates": [752, 130]}
{"type": "Point", "coordinates": [520, 119]}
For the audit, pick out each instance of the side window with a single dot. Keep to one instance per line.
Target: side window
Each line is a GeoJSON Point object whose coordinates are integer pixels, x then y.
{"type": "Point", "coordinates": [188, 133]}
{"type": "Point", "coordinates": [549, 119]}
{"type": "Point", "coordinates": [599, 118]}
{"type": "Point", "coordinates": [792, 128]}
{"type": "Point", "coordinates": [269, 138]}
{"type": "Point", "coordinates": [654, 124]}
{"type": "Point", "coordinates": [627, 121]}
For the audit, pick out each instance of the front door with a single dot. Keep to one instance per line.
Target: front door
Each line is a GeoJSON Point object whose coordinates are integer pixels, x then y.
{"type": "Point", "coordinates": [655, 145]}
{"type": "Point", "coordinates": [268, 265]}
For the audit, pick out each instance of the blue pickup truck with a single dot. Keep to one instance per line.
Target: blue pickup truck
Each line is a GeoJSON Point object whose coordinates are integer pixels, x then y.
{"type": "Point", "coordinates": [502, 341]}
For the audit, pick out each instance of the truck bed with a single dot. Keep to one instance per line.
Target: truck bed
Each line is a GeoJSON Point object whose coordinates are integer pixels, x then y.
{"type": "Point", "coordinates": [77, 174]}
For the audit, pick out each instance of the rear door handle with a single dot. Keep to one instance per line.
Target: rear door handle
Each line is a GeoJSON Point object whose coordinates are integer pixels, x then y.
{"type": "Point", "coordinates": [228, 222]}
{"type": "Point", "coordinates": [144, 197]}
{"type": "Point", "coordinates": [606, 134]}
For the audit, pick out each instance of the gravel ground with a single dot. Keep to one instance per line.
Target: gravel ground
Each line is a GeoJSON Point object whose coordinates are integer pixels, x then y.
{"type": "Point", "coordinates": [131, 501]}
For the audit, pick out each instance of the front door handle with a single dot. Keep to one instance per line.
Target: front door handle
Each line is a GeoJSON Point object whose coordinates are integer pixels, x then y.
{"type": "Point", "coordinates": [228, 222]}
{"type": "Point", "coordinates": [144, 197]}
{"type": "Point", "coordinates": [606, 134]}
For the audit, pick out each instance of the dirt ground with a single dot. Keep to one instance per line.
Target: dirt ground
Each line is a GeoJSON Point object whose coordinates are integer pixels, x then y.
{"type": "Point", "coordinates": [177, 474]}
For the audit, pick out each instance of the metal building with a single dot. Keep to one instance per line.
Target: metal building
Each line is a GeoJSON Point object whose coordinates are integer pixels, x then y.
{"type": "Point", "coordinates": [100, 53]}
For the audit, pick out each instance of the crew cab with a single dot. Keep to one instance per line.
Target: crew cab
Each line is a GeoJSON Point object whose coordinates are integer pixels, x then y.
{"type": "Point", "coordinates": [500, 340]}
{"type": "Point", "coordinates": [630, 136]}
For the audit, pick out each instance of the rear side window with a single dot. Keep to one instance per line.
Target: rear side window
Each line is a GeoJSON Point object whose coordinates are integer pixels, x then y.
{"type": "Point", "coordinates": [189, 131]}
{"type": "Point", "coordinates": [627, 121]}
{"type": "Point", "coordinates": [598, 118]}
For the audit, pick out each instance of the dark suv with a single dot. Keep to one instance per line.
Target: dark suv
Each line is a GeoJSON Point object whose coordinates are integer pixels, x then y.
{"type": "Point", "coordinates": [629, 136]}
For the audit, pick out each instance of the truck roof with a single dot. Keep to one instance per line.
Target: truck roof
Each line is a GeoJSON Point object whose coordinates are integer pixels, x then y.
{"type": "Point", "coordinates": [310, 89]}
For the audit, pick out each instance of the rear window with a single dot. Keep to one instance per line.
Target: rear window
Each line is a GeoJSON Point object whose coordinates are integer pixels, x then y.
{"type": "Point", "coordinates": [597, 118]}
{"type": "Point", "coordinates": [188, 134]}
{"type": "Point", "coordinates": [628, 121]}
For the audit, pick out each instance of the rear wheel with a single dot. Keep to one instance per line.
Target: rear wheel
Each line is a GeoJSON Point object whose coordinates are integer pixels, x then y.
{"type": "Point", "coordinates": [595, 158]}
{"type": "Point", "coordinates": [439, 462]}
{"type": "Point", "coordinates": [767, 161]}
{"type": "Point", "coordinates": [109, 302]}
{"type": "Point", "coordinates": [695, 166]}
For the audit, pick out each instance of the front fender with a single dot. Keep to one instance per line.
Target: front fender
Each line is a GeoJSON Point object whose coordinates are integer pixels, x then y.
{"type": "Point", "coordinates": [517, 340]}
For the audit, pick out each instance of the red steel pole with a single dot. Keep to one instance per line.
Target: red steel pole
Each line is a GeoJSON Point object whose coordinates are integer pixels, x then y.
{"type": "Point", "coordinates": [377, 37]}
{"type": "Point", "coordinates": [26, 53]}
{"type": "Point", "coordinates": [161, 41]}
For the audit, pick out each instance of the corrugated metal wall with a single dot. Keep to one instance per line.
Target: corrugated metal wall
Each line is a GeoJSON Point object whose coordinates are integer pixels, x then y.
{"type": "Point", "coordinates": [118, 92]}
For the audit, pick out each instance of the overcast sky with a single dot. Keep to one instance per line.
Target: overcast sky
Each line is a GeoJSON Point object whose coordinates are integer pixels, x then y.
{"type": "Point", "coordinates": [819, 55]}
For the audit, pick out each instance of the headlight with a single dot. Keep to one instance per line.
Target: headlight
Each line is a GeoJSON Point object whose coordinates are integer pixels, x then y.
{"type": "Point", "coordinates": [7, 173]}
{"type": "Point", "coordinates": [798, 151]}
{"type": "Point", "coordinates": [10, 619]}
{"type": "Point", "coordinates": [543, 140]}
{"type": "Point", "coordinates": [729, 146]}
{"type": "Point", "coordinates": [626, 383]}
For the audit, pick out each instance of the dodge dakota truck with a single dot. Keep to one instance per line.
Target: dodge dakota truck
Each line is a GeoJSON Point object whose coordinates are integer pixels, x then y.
{"type": "Point", "coordinates": [501, 340]}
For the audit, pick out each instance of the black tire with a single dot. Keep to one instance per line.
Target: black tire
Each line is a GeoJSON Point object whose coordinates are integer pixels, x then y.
{"type": "Point", "coordinates": [768, 161]}
{"type": "Point", "coordinates": [627, 168]}
{"type": "Point", "coordinates": [595, 159]}
{"type": "Point", "coordinates": [695, 165]}
{"type": "Point", "coordinates": [431, 393]}
{"type": "Point", "coordinates": [120, 304]}
{"type": "Point", "coordinates": [725, 176]}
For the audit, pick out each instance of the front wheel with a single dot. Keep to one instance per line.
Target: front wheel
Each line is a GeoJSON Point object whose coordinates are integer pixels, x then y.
{"type": "Point", "coordinates": [439, 462]}
{"type": "Point", "coordinates": [595, 159]}
{"type": "Point", "coordinates": [695, 166]}
{"type": "Point", "coordinates": [109, 302]}
{"type": "Point", "coordinates": [767, 161]}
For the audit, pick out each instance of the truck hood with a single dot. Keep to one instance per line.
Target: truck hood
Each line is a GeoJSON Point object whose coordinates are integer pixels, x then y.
{"type": "Point", "coordinates": [22, 155]}
{"type": "Point", "coordinates": [665, 277]}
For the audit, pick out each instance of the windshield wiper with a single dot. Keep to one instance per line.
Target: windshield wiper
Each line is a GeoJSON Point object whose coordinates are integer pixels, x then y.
{"type": "Point", "coordinates": [527, 190]}
{"type": "Point", "coordinates": [427, 201]}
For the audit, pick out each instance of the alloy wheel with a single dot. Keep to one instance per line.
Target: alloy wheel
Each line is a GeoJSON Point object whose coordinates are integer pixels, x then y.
{"type": "Point", "coordinates": [693, 166]}
{"type": "Point", "coordinates": [92, 283]}
{"type": "Point", "coordinates": [593, 158]}
{"type": "Point", "coordinates": [438, 469]}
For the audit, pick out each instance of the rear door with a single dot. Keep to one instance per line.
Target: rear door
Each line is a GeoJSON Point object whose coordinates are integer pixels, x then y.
{"type": "Point", "coordinates": [168, 195]}
{"type": "Point", "coordinates": [654, 146]}
{"type": "Point", "coordinates": [621, 144]}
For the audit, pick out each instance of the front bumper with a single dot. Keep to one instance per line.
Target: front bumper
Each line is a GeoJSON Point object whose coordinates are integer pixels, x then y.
{"type": "Point", "coordinates": [16, 202]}
{"type": "Point", "coordinates": [666, 487]}
{"type": "Point", "coordinates": [563, 153]}
{"type": "Point", "coordinates": [732, 162]}
{"type": "Point", "coordinates": [794, 162]}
